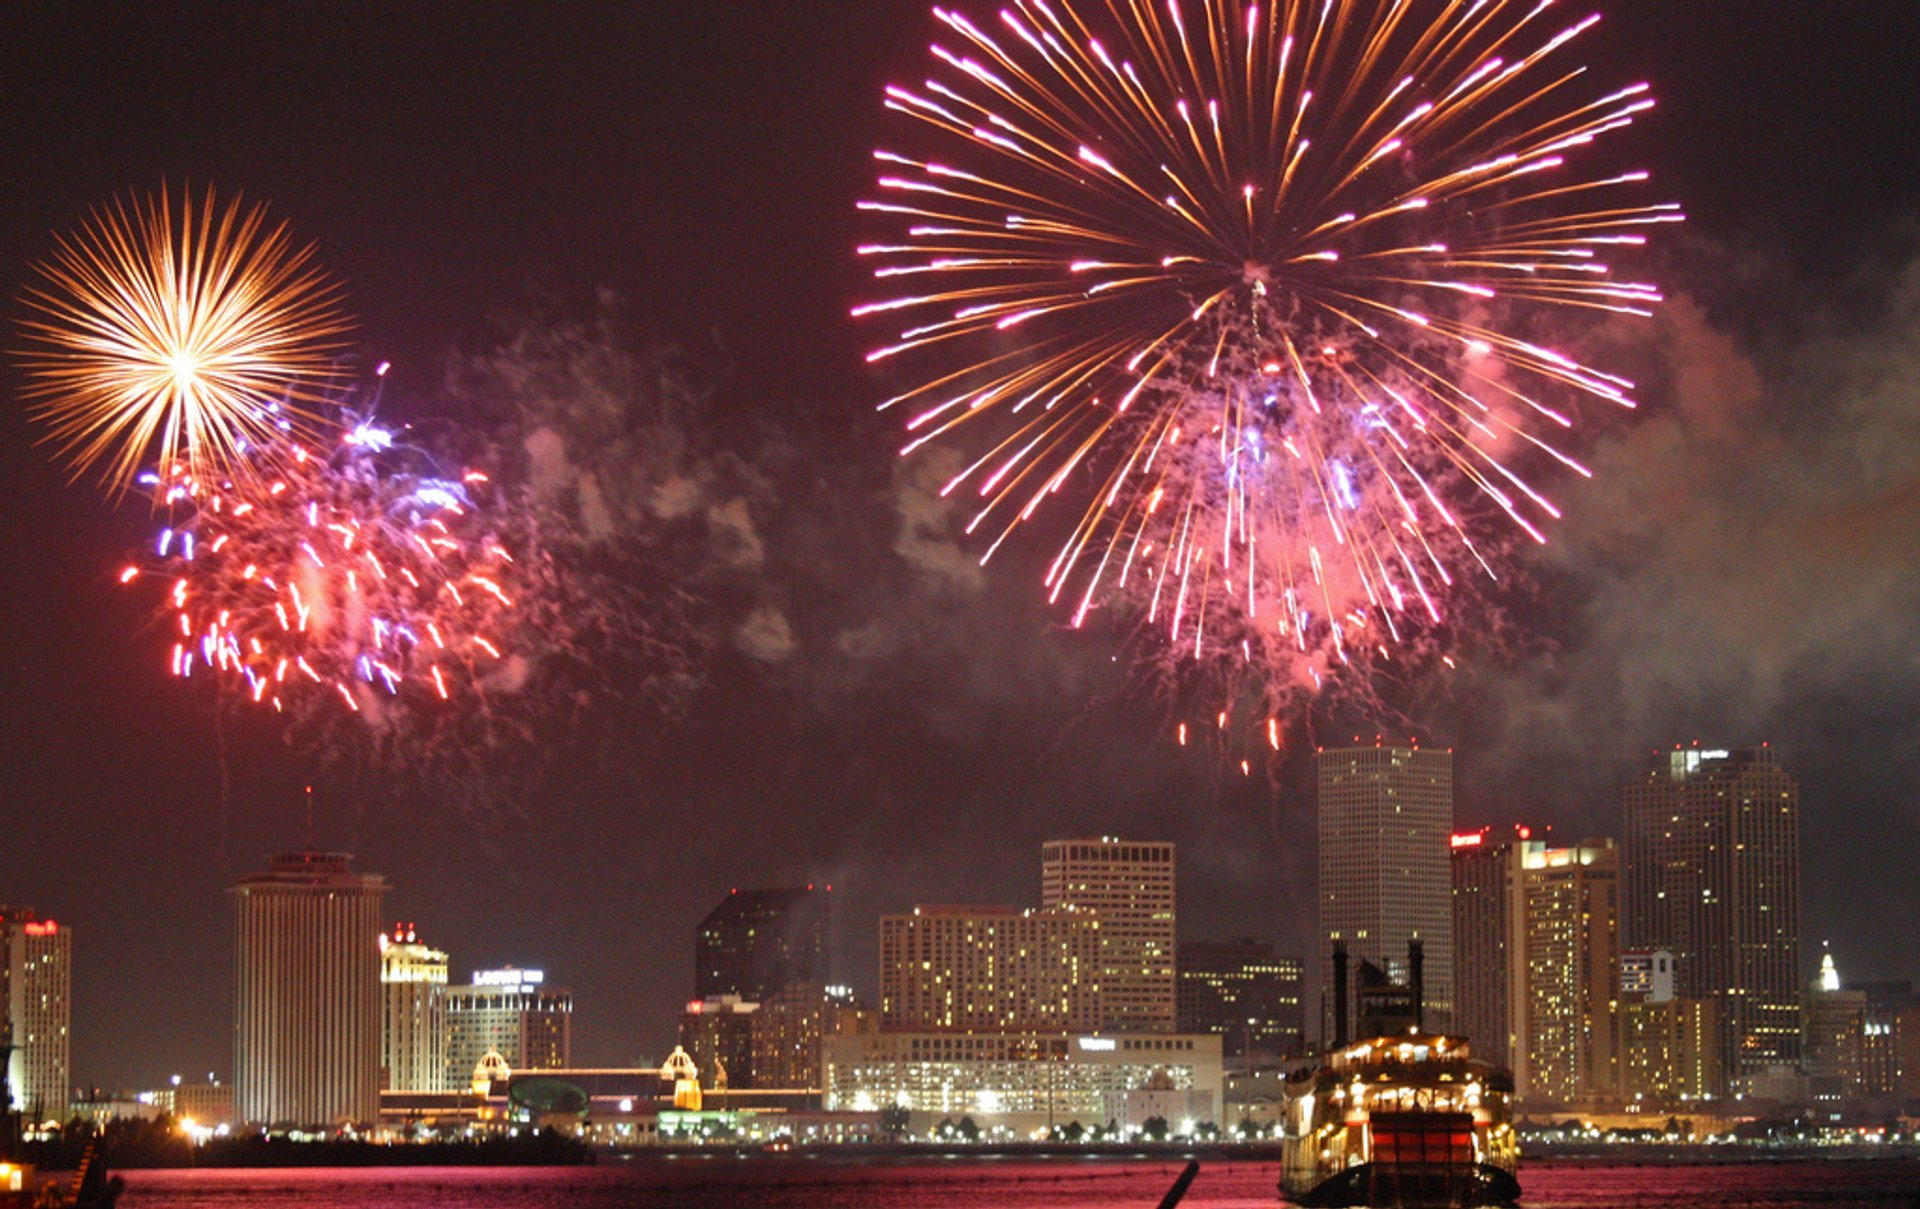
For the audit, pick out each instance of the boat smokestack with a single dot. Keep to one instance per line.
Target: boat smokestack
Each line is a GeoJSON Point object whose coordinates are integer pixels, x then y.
{"type": "Point", "coordinates": [1339, 994]}
{"type": "Point", "coordinates": [1417, 980]}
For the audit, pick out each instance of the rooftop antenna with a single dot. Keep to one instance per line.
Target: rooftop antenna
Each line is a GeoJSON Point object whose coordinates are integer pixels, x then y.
{"type": "Point", "coordinates": [309, 818]}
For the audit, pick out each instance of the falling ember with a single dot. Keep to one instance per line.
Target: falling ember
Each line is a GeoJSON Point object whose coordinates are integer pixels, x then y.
{"type": "Point", "coordinates": [195, 336]}
{"type": "Point", "coordinates": [274, 585]}
{"type": "Point", "coordinates": [1281, 350]}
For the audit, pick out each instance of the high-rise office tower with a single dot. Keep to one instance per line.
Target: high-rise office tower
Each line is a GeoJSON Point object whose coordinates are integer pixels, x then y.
{"type": "Point", "coordinates": [1385, 824]}
{"type": "Point", "coordinates": [991, 969]}
{"type": "Point", "coordinates": [1128, 885]}
{"type": "Point", "coordinates": [306, 1011]}
{"type": "Point", "coordinates": [1489, 938]}
{"type": "Point", "coordinates": [413, 1024]}
{"type": "Point", "coordinates": [511, 1012]}
{"type": "Point", "coordinates": [36, 1011]}
{"type": "Point", "coordinates": [1572, 1031]}
{"type": "Point", "coordinates": [1245, 993]}
{"type": "Point", "coordinates": [757, 941]}
{"type": "Point", "coordinates": [1712, 872]}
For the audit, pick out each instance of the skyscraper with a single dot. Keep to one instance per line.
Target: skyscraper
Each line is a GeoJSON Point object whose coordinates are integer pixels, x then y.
{"type": "Point", "coordinates": [988, 969]}
{"type": "Point", "coordinates": [1489, 941]}
{"type": "Point", "coordinates": [1572, 971]}
{"type": "Point", "coordinates": [1713, 873]}
{"type": "Point", "coordinates": [413, 1024]}
{"type": "Point", "coordinates": [514, 1013]}
{"type": "Point", "coordinates": [36, 1010]}
{"type": "Point", "coordinates": [306, 1013]}
{"type": "Point", "coordinates": [1385, 822]}
{"type": "Point", "coordinates": [1128, 885]}
{"type": "Point", "coordinates": [757, 941]}
{"type": "Point", "coordinates": [1243, 992]}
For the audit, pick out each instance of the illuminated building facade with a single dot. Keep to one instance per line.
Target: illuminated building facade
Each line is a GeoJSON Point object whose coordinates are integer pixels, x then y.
{"type": "Point", "coordinates": [1489, 934]}
{"type": "Point", "coordinates": [717, 1034]}
{"type": "Point", "coordinates": [511, 1012]}
{"type": "Point", "coordinates": [1669, 1050]}
{"type": "Point", "coordinates": [1244, 993]}
{"type": "Point", "coordinates": [1712, 873]}
{"type": "Point", "coordinates": [413, 1013]}
{"type": "Point", "coordinates": [992, 968]}
{"type": "Point", "coordinates": [1834, 1040]}
{"type": "Point", "coordinates": [1648, 973]}
{"type": "Point", "coordinates": [757, 941]}
{"type": "Point", "coordinates": [36, 957]}
{"type": "Point", "coordinates": [1890, 1045]}
{"type": "Point", "coordinates": [789, 1027]}
{"type": "Point", "coordinates": [1572, 971]}
{"type": "Point", "coordinates": [1385, 824]}
{"type": "Point", "coordinates": [1128, 885]}
{"type": "Point", "coordinates": [1024, 1081]}
{"type": "Point", "coordinates": [306, 1015]}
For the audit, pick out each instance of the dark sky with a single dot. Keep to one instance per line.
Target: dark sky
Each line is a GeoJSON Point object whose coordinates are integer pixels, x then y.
{"type": "Point", "coordinates": [1744, 567]}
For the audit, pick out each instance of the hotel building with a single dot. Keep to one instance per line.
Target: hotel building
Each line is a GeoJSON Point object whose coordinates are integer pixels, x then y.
{"type": "Point", "coordinates": [413, 1022]}
{"type": "Point", "coordinates": [1128, 886]}
{"type": "Point", "coordinates": [980, 968]}
{"type": "Point", "coordinates": [36, 1012]}
{"type": "Point", "coordinates": [510, 1012]}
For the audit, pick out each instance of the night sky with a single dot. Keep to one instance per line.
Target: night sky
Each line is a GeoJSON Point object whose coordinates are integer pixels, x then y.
{"type": "Point", "coordinates": [877, 712]}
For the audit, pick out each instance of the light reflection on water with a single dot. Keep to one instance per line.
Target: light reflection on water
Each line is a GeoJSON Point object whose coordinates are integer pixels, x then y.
{"type": "Point", "coordinates": [699, 1182]}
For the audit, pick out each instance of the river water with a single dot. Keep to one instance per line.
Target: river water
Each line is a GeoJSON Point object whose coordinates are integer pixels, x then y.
{"type": "Point", "coordinates": [697, 1182]}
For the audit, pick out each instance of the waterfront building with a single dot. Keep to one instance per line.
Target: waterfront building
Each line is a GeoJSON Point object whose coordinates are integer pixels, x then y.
{"type": "Point", "coordinates": [36, 1013]}
{"type": "Point", "coordinates": [306, 1017]}
{"type": "Point", "coordinates": [1712, 873]}
{"type": "Point", "coordinates": [1489, 934]}
{"type": "Point", "coordinates": [413, 1019]}
{"type": "Point", "coordinates": [208, 1104]}
{"type": "Point", "coordinates": [1890, 1048]}
{"type": "Point", "coordinates": [1385, 825]}
{"type": "Point", "coordinates": [510, 1012]}
{"type": "Point", "coordinates": [1128, 885]}
{"type": "Point", "coordinates": [757, 941]}
{"type": "Point", "coordinates": [717, 1034]}
{"type": "Point", "coordinates": [1834, 1041]}
{"type": "Point", "coordinates": [1021, 1081]}
{"type": "Point", "coordinates": [1572, 971]}
{"type": "Point", "coordinates": [789, 1027]}
{"type": "Point", "coordinates": [992, 968]}
{"type": "Point", "coordinates": [1669, 1050]}
{"type": "Point", "coordinates": [1245, 993]}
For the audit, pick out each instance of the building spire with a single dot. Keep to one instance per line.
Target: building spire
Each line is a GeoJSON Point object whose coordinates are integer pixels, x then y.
{"type": "Point", "coordinates": [1829, 976]}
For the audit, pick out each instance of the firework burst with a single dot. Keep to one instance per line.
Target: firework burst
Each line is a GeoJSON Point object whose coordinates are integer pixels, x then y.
{"type": "Point", "coordinates": [152, 338]}
{"type": "Point", "coordinates": [342, 579]}
{"type": "Point", "coordinates": [1263, 286]}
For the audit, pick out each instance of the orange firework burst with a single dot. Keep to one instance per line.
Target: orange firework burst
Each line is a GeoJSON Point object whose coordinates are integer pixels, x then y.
{"type": "Point", "coordinates": [1265, 287]}
{"type": "Point", "coordinates": [156, 339]}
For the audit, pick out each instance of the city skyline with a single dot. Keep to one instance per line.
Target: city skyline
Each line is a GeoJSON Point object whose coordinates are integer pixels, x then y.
{"type": "Point", "coordinates": [876, 710]}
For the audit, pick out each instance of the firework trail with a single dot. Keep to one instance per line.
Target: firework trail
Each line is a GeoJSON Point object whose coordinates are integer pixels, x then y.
{"type": "Point", "coordinates": [1261, 286]}
{"type": "Point", "coordinates": [156, 339]}
{"type": "Point", "coordinates": [351, 578]}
